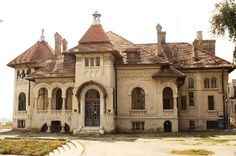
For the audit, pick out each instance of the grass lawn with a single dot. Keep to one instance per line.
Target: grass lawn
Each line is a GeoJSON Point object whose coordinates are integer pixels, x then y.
{"type": "Point", "coordinates": [192, 152]}
{"type": "Point", "coordinates": [34, 147]}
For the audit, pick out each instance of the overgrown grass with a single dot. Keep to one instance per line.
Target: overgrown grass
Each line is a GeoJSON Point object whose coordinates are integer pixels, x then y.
{"type": "Point", "coordinates": [192, 152]}
{"type": "Point", "coordinates": [31, 147]}
{"type": "Point", "coordinates": [213, 140]}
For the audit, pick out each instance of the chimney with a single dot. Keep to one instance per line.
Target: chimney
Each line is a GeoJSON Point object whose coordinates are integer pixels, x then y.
{"type": "Point", "coordinates": [64, 44]}
{"type": "Point", "coordinates": [58, 43]}
{"type": "Point", "coordinates": [207, 45]}
{"type": "Point", "coordinates": [160, 39]}
{"type": "Point", "coordinates": [195, 50]}
{"type": "Point", "coordinates": [199, 35]}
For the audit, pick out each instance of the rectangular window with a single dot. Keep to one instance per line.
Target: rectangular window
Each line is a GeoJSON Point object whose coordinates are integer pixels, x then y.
{"type": "Point", "coordinates": [183, 103]}
{"type": "Point", "coordinates": [191, 124]}
{"type": "Point", "coordinates": [211, 105]}
{"type": "Point", "coordinates": [191, 99]}
{"type": "Point", "coordinates": [97, 61]}
{"type": "Point", "coordinates": [211, 125]}
{"type": "Point", "coordinates": [234, 91]}
{"type": "Point", "coordinates": [20, 123]}
{"type": "Point", "coordinates": [91, 62]}
{"type": "Point", "coordinates": [131, 55]}
{"type": "Point", "coordinates": [138, 126]}
{"type": "Point", "coordinates": [86, 62]}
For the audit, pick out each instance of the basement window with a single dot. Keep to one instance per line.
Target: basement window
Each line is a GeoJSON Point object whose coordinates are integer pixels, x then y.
{"type": "Point", "coordinates": [138, 126]}
{"type": "Point", "coordinates": [20, 123]}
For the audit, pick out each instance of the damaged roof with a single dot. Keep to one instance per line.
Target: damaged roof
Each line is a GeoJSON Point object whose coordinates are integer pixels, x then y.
{"type": "Point", "coordinates": [39, 52]}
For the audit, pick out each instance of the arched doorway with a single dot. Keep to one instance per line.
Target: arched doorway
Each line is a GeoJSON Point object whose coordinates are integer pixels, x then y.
{"type": "Point", "coordinates": [167, 126]}
{"type": "Point", "coordinates": [92, 108]}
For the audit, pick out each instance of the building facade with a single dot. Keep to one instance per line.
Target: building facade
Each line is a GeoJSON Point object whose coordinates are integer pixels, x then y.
{"type": "Point", "coordinates": [107, 83]}
{"type": "Point", "coordinates": [231, 103]}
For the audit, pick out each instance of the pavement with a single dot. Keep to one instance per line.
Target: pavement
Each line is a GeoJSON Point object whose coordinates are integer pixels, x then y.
{"type": "Point", "coordinates": [139, 145]}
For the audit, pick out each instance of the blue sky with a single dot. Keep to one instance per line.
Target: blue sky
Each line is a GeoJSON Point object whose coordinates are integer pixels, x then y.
{"type": "Point", "coordinates": [135, 20]}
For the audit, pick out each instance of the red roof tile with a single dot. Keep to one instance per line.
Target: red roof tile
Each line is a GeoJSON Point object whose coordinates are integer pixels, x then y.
{"type": "Point", "coordinates": [39, 52]}
{"type": "Point", "coordinates": [95, 34]}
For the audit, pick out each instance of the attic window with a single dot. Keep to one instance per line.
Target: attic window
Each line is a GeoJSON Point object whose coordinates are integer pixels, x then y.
{"type": "Point", "coordinates": [131, 55]}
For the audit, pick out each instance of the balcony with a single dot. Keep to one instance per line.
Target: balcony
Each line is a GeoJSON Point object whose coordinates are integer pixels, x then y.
{"type": "Point", "coordinates": [54, 114]}
{"type": "Point", "coordinates": [169, 113]}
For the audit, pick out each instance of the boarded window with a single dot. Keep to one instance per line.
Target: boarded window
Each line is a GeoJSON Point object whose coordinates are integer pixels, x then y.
{"type": "Point", "coordinates": [211, 124]}
{"type": "Point", "coordinates": [191, 99]}
{"type": "Point", "coordinates": [211, 103]}
{"type": "Point", "coordinates": [138, 126]}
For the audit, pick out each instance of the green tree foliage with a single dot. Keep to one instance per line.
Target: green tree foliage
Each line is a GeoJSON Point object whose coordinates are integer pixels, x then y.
{"type": "Point", "coordinates": [224, 20]}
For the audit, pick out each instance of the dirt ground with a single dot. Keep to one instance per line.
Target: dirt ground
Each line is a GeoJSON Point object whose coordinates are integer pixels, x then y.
{"type": "Point", "coordinates": [222, 143]}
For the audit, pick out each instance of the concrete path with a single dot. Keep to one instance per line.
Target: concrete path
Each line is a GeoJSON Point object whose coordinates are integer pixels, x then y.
{"type": "Point", "coordinates": [143, 147]}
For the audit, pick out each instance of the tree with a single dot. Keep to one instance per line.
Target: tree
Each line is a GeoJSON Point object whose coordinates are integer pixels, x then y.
{"type": "Point", "coordinates": [224, 20]}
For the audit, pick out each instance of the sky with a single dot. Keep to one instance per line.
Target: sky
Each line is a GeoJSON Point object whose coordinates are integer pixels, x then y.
{"type": "Point", "coordinates": [134, 20]}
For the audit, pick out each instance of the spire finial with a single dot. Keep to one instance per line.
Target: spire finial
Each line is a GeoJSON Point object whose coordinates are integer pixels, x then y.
{"type": "Point", "coordinates": [96, 17]}
{"type": "Point", "coordinates": [42, 38]}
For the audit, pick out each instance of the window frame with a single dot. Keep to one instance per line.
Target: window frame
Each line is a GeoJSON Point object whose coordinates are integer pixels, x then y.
{"type": "Point", "coordinates": [206, 83]}
{"type": "Point", "coordinates": [138, 100]}
{"type": "Point", "coordinates": [138, 125]}
{"type": "Point", "coordinates": [190, 83]}
{"type": "Point", "coordinates": [22, 102]}
{"type": "Point", "coordinates": [211, 104]}
{"type": "Point", "coordinates": [213, 82]}
{"type": "Point", "coordinates": [191, 99]}
{"type": "Point", "coordinates": [20, 123]}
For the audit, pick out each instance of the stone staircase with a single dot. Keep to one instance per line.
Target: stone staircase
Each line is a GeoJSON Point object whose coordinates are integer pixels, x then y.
{"type": "Point", "coordinates": [91, 131]}
{"type": "Point", "coordinates": [71, 148]}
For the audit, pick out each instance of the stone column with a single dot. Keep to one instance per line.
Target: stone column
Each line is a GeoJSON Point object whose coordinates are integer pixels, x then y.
{"type": "Point", "coordinates": [49, 103]}
{"type": "Point", "coordinates": [49, 128]}
{"type": "Point", "coordinates": [175, 107]}
{"type": "Point", "coordinates": [63, 127]}
{"type": "Point", "coordinates": [35, 103]}
{"type": "Point", "coordinates": [64, 103]}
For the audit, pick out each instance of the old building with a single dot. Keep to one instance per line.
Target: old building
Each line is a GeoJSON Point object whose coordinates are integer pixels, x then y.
{"type": "Point", "coordinates": [231, 103]}
{"type": "Point", "coordinates": [107, 83]}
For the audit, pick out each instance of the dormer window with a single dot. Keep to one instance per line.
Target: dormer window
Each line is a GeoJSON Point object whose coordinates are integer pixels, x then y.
{"type": "Point", "coordinates": [91, 62]}
{"type": "Point", "coordinates": [132, 55]}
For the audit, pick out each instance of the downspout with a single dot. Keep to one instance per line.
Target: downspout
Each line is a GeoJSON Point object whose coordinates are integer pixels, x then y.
{"type": "Point", "coordinates": [29, 86]}
{"type": "Point", "coordinates": [116, 91]}
{"type": "Point", "coordinates": [223, 99]}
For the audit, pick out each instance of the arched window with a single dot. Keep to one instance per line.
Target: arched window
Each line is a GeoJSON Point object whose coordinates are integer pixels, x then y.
{"type": "Point", "coordinates": [28, 71]}
{"type": "Point", "coordinates": [69, 96]}
{"type": "Point", "coordinates": [190, 83]}
{"type": "Point", "coordinates": [22, 102]}
{"type": "Point", "coordinates": [213, 82]}
{"type": "Point", "coordinates": [167, 98]}
{"type": "Point", "coordinates": [206, 83]}
{"type": "Point", "coordinates": [138, 98]}
{"type": "Point", "coordinates": [23, 74]}
{"type": "Point", "coordinates": [43, 99]}
{"type": "Point", "coordinates": [57, 99]}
